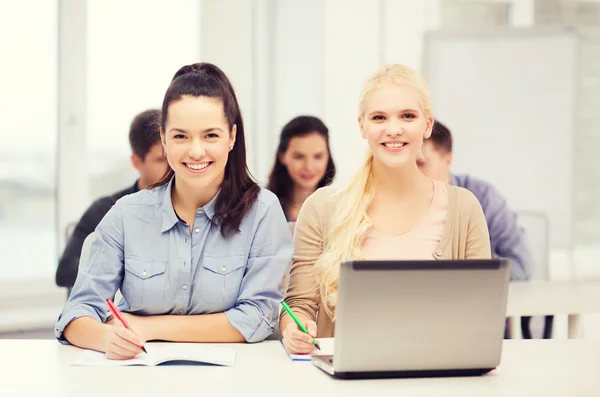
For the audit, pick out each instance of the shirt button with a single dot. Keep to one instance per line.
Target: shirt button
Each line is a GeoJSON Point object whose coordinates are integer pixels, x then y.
{"type": "Point", "coordinates": [180, 311]}
{"type": "Point", "coordinates": [438, 252]}
{"type": "Point", "coordinates": [223, 269]}
{"type": "Point", "coordinates": [144, 273]}
{"type": "Point", "coordinates": [199, 212]}
{"type": "Point", "coordinates": [197, 230]}
{"type": "Point", "coordinates": [184, 286]}
{"type": "Point", "coordinates": [269, 316]}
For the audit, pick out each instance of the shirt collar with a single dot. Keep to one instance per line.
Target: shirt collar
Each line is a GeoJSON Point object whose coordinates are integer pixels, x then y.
{"type": "Point", "coordinates": [209, 209]}
{"type": "Point", "coordinates": [170, 218]}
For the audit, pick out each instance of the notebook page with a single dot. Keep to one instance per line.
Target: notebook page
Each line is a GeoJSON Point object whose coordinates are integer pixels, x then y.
{"type": "Point", "coordinates": [327, 346]}
{"type": "Point", "coordinates": [163, 353]}
{"type": "Point", "coordinates": [196, 352]}
{"type": "Point", "coordinates": [91, 358]}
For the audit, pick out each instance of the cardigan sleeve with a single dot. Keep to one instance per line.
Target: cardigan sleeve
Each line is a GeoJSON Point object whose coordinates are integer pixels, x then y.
{"type": "Point", "coordinates": [303, 292]}
{"type": "Point", "coordinates": [478, 237]}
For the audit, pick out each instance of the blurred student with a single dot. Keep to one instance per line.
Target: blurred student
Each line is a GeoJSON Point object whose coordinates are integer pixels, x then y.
{"type": "Point", "coordinates": [303, 163]}
{"type": "Point", "coordinates": [199, 257]}
{"type": "Point", "coordinates": [390, 210]}
{"type": "Point", "coordinates": [507, 238]}
{"type": "Point", "coordinates": [148, 158]}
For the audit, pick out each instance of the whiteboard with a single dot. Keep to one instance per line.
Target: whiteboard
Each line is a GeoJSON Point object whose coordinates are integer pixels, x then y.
{"type": "Point", "coordinates": [509, 98]}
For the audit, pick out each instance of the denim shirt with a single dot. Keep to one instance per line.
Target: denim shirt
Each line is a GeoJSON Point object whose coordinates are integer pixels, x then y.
{"type": "Point", "coordinates": [142, 248]}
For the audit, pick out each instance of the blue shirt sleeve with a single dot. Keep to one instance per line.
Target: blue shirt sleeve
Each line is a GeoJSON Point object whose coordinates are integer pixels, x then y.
{"type": "Point", "coordinates": [257, 308]}
{"type": "Point", "coordinates": [507, 238]}
{"type": "Point", "coordinates": [100, 278]}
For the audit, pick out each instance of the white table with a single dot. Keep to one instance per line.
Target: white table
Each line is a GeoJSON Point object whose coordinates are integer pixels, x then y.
{"type": "Point", "coordinates": [529, 368]}
{"type": "Point", "coordinates": [540, 298]}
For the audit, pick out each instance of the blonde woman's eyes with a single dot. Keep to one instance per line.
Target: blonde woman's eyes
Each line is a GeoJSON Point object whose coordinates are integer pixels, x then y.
{"type": "Point", "coordinates": [409, 116]}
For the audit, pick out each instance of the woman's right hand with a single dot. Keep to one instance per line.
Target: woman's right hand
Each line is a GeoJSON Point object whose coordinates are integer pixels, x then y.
{"type": "Point", "coordinates": [296, 341]}
{"type": "Point", "coordinates": [121, 343]}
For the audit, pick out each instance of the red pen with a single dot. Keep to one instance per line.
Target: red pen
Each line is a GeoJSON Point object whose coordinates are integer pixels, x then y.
{"type": "Point", "coordinates": [117, 314]}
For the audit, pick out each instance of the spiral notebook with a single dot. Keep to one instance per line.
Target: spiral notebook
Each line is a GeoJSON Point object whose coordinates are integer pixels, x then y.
{"type": "Point", "coordinates": [164, 354]}
{"type": "Point", "coordinates": [327, 345]}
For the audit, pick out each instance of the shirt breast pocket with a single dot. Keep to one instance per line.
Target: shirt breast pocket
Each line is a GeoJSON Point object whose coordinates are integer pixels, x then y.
{"type": "Point", "coordinates": [221, 279]}
{"type": "Point", "coordinates": [144, 283]}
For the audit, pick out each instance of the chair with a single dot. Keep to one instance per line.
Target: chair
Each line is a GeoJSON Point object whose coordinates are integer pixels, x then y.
{"type": "Point", "coordinates": [85, 250]}
{"type": "Point", "coordinates": [83, 257]}
{"type": "Point", "coordinates": [292, 226]}
{"type": "Point", "coordinates": [69, 229]}
{"type": "Point", "coordinates": [537, 232]}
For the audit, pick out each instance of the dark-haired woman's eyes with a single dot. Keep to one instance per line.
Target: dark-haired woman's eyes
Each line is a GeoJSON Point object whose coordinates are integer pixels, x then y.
{"type": "Point", "coordinates": [212, 135]}
{"type": "Point", "coordinates": [178, 136]}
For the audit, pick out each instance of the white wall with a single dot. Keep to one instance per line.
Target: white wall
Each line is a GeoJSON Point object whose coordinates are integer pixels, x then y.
{"type": "Point", "coordinates": [585, 16]}
{"type": "Point", "coordinates": [298, 60]}
{"type": "Point", "coordinates": [404, 23]}
{"type": "Point", "coordinates": [325, 50]}
{"type": "Point", "coordinates": [227, 41]}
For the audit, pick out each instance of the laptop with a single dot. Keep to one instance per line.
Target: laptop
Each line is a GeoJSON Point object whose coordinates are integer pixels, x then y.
{"type": "Point", "coordinates": [418, 318]}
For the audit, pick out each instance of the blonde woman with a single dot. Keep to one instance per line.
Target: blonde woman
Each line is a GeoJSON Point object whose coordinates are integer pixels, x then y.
{"type": "Point", "coordinates": [390, 210]}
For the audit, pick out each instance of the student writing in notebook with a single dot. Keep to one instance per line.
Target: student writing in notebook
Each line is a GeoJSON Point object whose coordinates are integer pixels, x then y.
{"type": "Point", "coordinates": [198, 258]}
{"type": "Point", "coordinates": [390, 210]}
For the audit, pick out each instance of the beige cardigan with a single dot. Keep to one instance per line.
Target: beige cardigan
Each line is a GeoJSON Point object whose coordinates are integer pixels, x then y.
{"type": "Point", "coordinates": [465, 237]}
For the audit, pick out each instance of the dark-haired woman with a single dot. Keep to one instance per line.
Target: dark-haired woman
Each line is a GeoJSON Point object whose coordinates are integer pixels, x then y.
{"type": "Point", "coordinates": [303, 163]}
{"type": "Point", "coordinates": [198, 258]}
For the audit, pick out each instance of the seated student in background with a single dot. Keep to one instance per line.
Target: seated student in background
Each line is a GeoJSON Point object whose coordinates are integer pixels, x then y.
{"type": "Point", "coordinates": [148, 158]}
{"type": "Point", "coordinates": [390, 210]}
{"type": "Point", "coordinates": [200, 257]}
{"type": "Point", "coordinates": [303, 163]}
{"type": "Point", "coordinates": [507, 239]}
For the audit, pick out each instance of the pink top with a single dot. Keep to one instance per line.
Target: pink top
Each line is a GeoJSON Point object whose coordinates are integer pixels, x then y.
{"type": "Point", "coordinates": [419, 242]}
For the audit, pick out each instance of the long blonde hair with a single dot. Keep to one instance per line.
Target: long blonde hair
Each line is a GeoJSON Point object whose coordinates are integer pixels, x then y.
{"type": "Point", "coordinates": [350, 222]}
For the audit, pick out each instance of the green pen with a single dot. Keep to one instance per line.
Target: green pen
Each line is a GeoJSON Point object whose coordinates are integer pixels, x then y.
{"type": "Point", "coordinates": [298, 323]}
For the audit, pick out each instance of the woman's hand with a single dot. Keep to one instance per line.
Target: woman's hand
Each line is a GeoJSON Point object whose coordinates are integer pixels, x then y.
{"type": "Point", "coordinates": [121, 343]}
{"type": "Point", "coordinates": [296, 341]}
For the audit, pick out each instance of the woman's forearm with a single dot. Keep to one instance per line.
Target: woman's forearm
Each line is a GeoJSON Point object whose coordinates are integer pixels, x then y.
{"type": "Point", "coordinates": [286, 320]}
{"type": "Point", "coordinates": [86, 332]}
{"type": "Point", "coordinates": [194, 328]}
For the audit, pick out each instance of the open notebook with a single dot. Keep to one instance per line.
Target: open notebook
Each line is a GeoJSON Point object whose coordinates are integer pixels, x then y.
{"type": "Point", "coordinates": [327, 345]}
{"type": "Point", "coordinates": [165, 353]}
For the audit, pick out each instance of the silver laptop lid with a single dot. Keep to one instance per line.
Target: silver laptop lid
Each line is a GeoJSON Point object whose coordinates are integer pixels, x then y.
{"type": "Point", "coordinates": [420, 315]}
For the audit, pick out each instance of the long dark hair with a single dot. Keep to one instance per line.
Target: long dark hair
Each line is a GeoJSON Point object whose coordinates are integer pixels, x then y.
{"type": "Point", "coordinates": [280, 181]}
{"type": "Point", "coordinates": [238, 190]}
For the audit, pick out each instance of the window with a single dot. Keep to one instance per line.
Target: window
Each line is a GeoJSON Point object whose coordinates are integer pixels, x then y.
{"type": "Point", "coordinates": [28, 240]}
{"type": "Point", "coordinates": [134, 49]}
